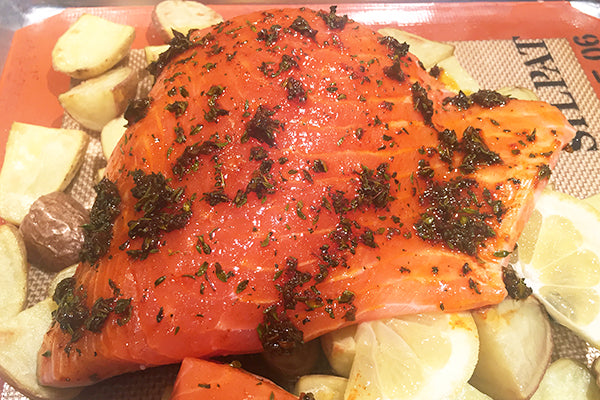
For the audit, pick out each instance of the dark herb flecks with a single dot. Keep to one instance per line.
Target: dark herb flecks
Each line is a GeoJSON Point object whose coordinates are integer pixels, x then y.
{"type": "Point", "coordinates": [161, 209]}
{"type": "Point", "coordinates": [98, 232]}
{"type": "Point", "coordinates": [277, 333]}
{"type": "Point", "coordinates": [214, 110]}
{"type": "Point", "coordinates": [476, 151]}
{"type": "Point", "coordinates": [455, 216]}
{"type": "Point", "coordinates": [191, 154]}
{"type": "Point", "coordinates": [301, 26]}
{"type": "Point", "coordinates": [515, 286]}
{"type": "Point", "coordinates": [262, 126]}
{"type": "Point", "coordinates": [295, 90]}
{"type": "Point", "coordinates": [422, 103]}
{"type": "Point", "coordinates": [136, 110]}
{"type": "Point", "coordinates": [332, 20]}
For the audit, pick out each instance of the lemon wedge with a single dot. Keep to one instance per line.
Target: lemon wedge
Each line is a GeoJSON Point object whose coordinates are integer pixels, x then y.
{"type": "Point", "coordinates": [559, 257]}
{"type": "Point", "coordinates": [594, 201]}
{"type": "Point", "coordinates": [421, 356]}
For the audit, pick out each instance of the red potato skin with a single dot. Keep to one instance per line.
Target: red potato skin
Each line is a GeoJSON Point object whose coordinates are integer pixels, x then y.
{"type": "Point", "coordinates": [206, 380]}
{"type": "Point", "coordinates": [348, 86]}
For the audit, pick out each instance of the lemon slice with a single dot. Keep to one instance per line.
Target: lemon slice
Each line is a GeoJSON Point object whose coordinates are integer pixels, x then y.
{"type": "Point", "coordinates": [594, 201]}
{"type": "Point", "coordinates": [421, 356]}
{"type": "Point", "coordinates": [559, 257]}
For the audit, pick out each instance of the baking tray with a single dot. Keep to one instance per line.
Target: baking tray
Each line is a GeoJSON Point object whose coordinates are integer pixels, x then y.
{"type": "Point", "coordinates": [499, 43]}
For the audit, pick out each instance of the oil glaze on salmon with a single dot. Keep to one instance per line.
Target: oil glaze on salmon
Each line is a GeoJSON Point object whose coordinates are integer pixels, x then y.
{"type": "Point", "coordinates": [291, 173]}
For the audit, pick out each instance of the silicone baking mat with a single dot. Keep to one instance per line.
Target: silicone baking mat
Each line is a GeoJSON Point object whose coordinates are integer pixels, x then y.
{"type": "Point", "coordinates": [550, 48]}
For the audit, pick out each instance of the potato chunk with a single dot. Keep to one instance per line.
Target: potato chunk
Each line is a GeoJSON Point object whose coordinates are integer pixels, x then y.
{"type": "Point", "coordinates": [20, 340]}
{"type": "Point", "coordinates": [323, 387]}
{"type": "Point", "coordinates": [111, 134]}
{"type": "Point", "coordinates": [91, 46]}
{"type": "Point", "coordinates": [53, 231]}
{"type": "Point", "coordinates": [567, 379]}
{"type": "Point", "coordinates": [182, 16]}
{"type": "Point", "coordinates": [32, 168]}
{"type": "Point", "coordinates": [153, 52]}
{"type": "Point", "coordinates": [13, 270]}
{"type": "Point", "coordinates": [515, 349]}
{"type": "Point", "coordinates": [93, 103]}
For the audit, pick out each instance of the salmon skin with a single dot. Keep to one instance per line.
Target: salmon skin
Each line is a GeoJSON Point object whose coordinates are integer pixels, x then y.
{"type": "Point", "coordinates": [293, 172]}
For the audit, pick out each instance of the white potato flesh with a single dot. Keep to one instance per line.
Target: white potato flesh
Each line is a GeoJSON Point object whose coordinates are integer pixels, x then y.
{"type": "Point", "coordinates": [91, 46]}
{"type": "Point", "coordinates": [20, 341]}
{"type": "Point", "coordinates": [111, 134]}
{"type": "Point", "coordinates": [456, 77]}
{"type": "Point", "coordinates": [13, 270]}
{"type": "Point", "coordinates": [339, 347]}
{"type": "Point", "coordinates": [182, 16]}
{"type": "Point", "coordinates": [468, 392]}
{"type": "Point", "coordinates": [514, 351]}
{"type": "Point", "coordinates": [93, 103]}
{"type": "Point", "coordinates": [428, 51]}
{"type": "Point", "coordinates": [31, 166]}
{"type": "Point", "coordinates": [567, 379]}
{"type": "Point", "coordinates": [153, 52]}
{"type": "Point", "coordinates": [323, 387]}
{"type": "Point", "coordinates": [520, 93]}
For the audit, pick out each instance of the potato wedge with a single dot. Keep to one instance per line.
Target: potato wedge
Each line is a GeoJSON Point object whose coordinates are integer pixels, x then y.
{"type": "Point", "coordinates": [13, 270]}
{"type": "Point", "coordinates": [567, 379]}
{"type": "Point", "coordinates": [93, 103]}
{"type": "Point", "coordinates": [323, 387]}
{"type": "Point", "coordinates": [428, 51]}
{"type": "Point", "coordinates": [20, 341]}
{"type": "Point", "coordinates": [456, 77]}
{"type": "Point", "coordinates": [339, 347]}
{"type": "Point", "coordinates": [91, 46]}
{"type": "Point", "coordinates": [520, 93]}
{"type": "Point", "coordinates": [152, 52]}
{"type": "Point", "coordinates": [468, 392]}
{"type": "Point", "coordinates": [31, 166]}
{"type": "Point", "coordinates": [181, 15]}
{"type": "Point", "coordinates": [111, 134]}
{"type": "Point", "coordinates": [53, 231]}
{"type": "Point", "coordinates": [515, 349]}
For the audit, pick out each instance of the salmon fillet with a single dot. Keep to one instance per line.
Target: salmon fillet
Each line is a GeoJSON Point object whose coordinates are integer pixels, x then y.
{"type": "Point", "coordinates": [205, 380]}
{"type": "Point", "coordinates": [293, 172]}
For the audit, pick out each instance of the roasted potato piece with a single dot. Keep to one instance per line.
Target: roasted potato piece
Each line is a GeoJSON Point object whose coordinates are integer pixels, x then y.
{"type": "Point", "coordinates": [468, 392]}
{"type": "Point", "coordinates": [520, 93]}
{"type": "Point", "coordinates": [111, 134]}
{"type": "Point", "coordinates": [567, 379]}
{"type": "Point", "coordinates": [152, 52]}
{"type": "Point", "coordinates": [181, 15]}
{"type": "Point", "coordinates": [33, 168]}
{"type": "Point", "coordinates": [339, 347]}
{"type": "Point", "coordinates": [323, 387]}
{"type": "Point", "coordinates": [93, 103]}
{"type": "Point", "coordinates": [428, 51]}
{"type": "Point", "coordinates": [91, 46]}
{"type": "Point", "coordinates": [515, 349]}
{"type": "Point", "coordinates": [20, 341]}
{"type": "Point", "coordinates": [13, 270]}
{"type": "Point", "coordinates": [299, 361]}
{"type": "Point", "coordinates": [456, 77]}
{"type": "Point", "coordinates": [53, 231]}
